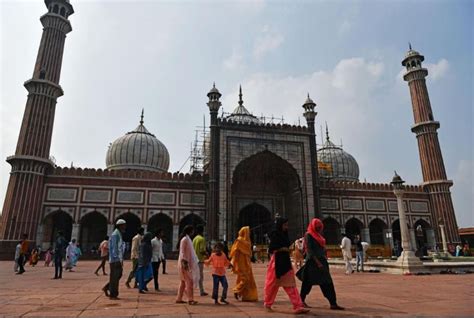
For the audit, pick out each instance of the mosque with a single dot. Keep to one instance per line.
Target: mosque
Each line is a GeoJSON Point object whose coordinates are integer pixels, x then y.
{"type": "Point", "coordinates": [252, 171]}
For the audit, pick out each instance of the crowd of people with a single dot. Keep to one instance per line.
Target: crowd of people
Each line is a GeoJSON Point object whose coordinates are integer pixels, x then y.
{"type": "Point", "coordinates": [147, 256]}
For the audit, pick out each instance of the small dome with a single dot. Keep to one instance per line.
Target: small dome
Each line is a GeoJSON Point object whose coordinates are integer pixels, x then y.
{"type": "Point", "coordinates": [334, 163]}
{"type": "Point", "coordinates": [138, 150]}
{"type": "Point", "coordinates": [241, 114]}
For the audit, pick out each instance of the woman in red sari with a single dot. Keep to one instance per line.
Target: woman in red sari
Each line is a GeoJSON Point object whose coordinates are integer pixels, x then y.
{"type": "Point", "coordinates": [280, 271]}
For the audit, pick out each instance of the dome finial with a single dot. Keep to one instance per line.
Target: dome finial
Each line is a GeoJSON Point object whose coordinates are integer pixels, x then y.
{"type": "Point", "coordinates": [327, 132]}
{"type": "Point", "coordinates": [141, 117]}
{"type": "Point", "coordinates": [241, 102]}
{"type": "Point", "coordinates": [409, 46]}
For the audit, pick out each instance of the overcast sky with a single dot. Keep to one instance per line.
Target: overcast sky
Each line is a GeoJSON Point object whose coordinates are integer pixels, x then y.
{"type": "Point", "coordinates": [164, 55]}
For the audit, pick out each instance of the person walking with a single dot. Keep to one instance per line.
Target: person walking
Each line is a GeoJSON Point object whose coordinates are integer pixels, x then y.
{"type": "Point", "coordinates": [219, 262]}
{"type": "Point", "coordinates": [116, 250]}
{"type": "Point", "coordinates": [165, 253]}
{"type": "Point", "coordinates": [240, 253]}
{"type": "Point", "coordinates": [25, 245]}
{"type": "Point", "coordinates": [70, 255]}
{"type": "Point", "coordinates": [104, 255]}
{"type": "Point", "coordinates": [359, 253]}
{"type": "Point", "coordinates": [59, 253]}
{"type": "Point", "coordinates": [157, 256]}
{"type": "Point", "coordinates": [48, 256]}
{"type": "Point", "coordinates": [17, 257]}
{"type": "Point", "coordinates": [199, 244]}
{"type": "Point", "coordinates": [188, 267]}
{"type": "Point", "coordinates": [315, 271]}
{"type": "Point", "coordinates": [280, 271]}
{"type": "Point", "coordinates": [134, 256]}
{"type": "Point", "coordinates": [347, 253]}
{"type": "Point", "coordinates": [144, 271]}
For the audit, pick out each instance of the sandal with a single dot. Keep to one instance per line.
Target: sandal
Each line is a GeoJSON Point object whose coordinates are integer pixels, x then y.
{"type": "Point", "coordinates": [180, 302]}
{"type": "Point", "coordinates": [192, 302]}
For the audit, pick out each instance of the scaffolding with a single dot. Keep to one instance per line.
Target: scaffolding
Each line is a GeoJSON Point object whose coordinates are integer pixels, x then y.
{"type": "Point", "coordinates": [200, 148]}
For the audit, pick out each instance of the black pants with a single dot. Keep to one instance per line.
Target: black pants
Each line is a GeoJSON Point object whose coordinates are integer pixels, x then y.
{"type": "Point", "coordinates": [58, 266]}
{"type": "Point", "coordinates": [21, 263]}
{"type": "Point", "coordinates": [216, 279]}
{"type": "Point", "coordinates": [156, 269]}
{"type": "Point", "coordinates": [327, 290]}
{"type": "Point", "coordinates": [116, 270]}
{"type": "Point", "coordinates": [102, 264]}
{"type": "Point", "coordinates": [164, 265]}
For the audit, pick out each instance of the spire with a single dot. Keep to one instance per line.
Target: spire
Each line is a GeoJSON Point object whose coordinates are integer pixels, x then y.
{"type": "Point", "coordinates": [141, 117]}
{"type": "Point", "coordinates": [409, 46]}
{"type": "Point", "coordinates": [327, 132]}
{"type": "Point", "coordinates": [241, 102]}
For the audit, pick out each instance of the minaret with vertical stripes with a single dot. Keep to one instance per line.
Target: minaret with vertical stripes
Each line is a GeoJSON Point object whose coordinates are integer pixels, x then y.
{"type": "Point", "coordinates": [22, 205]}
{"type": "Point", "coordinates": [435, 180]}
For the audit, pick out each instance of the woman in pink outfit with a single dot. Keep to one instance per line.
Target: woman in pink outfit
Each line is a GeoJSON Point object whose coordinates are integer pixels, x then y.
{"type": "Point", "coordinates": [188, 267]}
{"type": "Point", "coordinates": [280, 271]}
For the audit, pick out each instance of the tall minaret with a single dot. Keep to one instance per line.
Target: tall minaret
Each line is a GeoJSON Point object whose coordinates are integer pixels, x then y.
{"type": "Point", "coordinates": [213, 209]}
{"type": "Point", "coordinates": [310, 115]}
{"type": "Point", "coordinates": [22, 206]}
{"type": "Point", "coordinates": [432, 165]}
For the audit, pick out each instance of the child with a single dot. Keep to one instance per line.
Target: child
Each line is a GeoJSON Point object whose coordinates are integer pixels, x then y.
{"type": "Point", "coordinates": [219, 263]}
{"type": "Point", "coordinates": [48, 257]}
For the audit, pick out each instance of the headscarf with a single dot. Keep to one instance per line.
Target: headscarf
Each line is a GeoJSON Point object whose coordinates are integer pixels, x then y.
{"type": "Point", "coordinates": [242, 243]}
{"type": "Point", "coordinates": [279, 239]}
{"type": "Point", "coordinates": [315, 228]}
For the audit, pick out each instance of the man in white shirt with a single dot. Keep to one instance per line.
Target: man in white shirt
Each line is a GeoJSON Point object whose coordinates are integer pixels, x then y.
{"type": "Point", "coordinates": [137, 239]}
{"type": "Point", "coordinates": [157, 256]}
{"type": "Point", "coordinates": [346, 253]}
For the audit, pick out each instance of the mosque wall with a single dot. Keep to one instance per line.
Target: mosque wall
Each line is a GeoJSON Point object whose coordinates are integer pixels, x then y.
{"type": "Point", "coordinates": [166, 200]}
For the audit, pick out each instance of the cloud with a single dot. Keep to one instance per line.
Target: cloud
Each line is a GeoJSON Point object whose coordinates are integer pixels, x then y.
{"type": "Point", "coordinates": [438, 70]}
{"type": "Point", "coordinates": [346, 89]}
{"type": "Point", "coordinates": [234, 61]}
{"type": "Point", "coordinates": [268, 41]}
{"type": "Point", "coordinates": [345, 27]}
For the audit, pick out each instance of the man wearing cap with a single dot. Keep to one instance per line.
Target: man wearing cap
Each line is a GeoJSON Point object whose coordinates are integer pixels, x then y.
{"type": "Point", "coordinates": [116, 250]}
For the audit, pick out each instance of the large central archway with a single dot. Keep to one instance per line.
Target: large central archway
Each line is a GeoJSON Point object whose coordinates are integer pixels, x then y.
{"type": "Point", "coordinates": [265, 181]}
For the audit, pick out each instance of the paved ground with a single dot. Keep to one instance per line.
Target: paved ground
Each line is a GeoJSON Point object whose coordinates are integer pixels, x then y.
{"type": "Point", "coordinates": [34, 294]}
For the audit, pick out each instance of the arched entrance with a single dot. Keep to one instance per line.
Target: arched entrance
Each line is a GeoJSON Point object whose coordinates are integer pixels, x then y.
{"type": "Point", "coordinates": [259, 219]}
{"type": "Point", "coordinates": [376, 230]}
{"type": "Point", "coordinates": [93, 230]}
{"type": "Point", "coordinates": [133, 225]}
{"type": "Point", "coordinates": [353, 228]}
{"type": "Point", "coordinates": [163, 222]}
{"type": "Point", "coordinates": [270, 180]}
{"type": "Point", "coordinates": [190, 219]}
{"type": "Point", "coordinates": [54, 222]}
{"type": "Point", "coordinates": [332, 231]}
{"type": "Point", "coordinates": [422, 244]}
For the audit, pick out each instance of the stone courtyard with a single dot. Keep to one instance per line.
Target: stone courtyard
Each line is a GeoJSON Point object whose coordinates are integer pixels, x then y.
{"type": "Point", "coordinates": [35, 294]}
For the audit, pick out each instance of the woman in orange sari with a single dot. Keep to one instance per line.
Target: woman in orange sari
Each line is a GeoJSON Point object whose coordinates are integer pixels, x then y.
{"type": "Point", "coordinates": [240, 254]}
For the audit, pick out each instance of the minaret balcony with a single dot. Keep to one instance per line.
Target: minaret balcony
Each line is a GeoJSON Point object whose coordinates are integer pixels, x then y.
{"type": "Point", "coordinates": [43, 88]}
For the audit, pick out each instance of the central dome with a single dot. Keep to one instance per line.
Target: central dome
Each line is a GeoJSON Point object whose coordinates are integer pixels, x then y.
{"type": "Point", "coordinates": [138, 150]}
{"type": "Point", "coordinates": [241, 114]}
{"type": "Point", "coordinates": [336, 164]}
